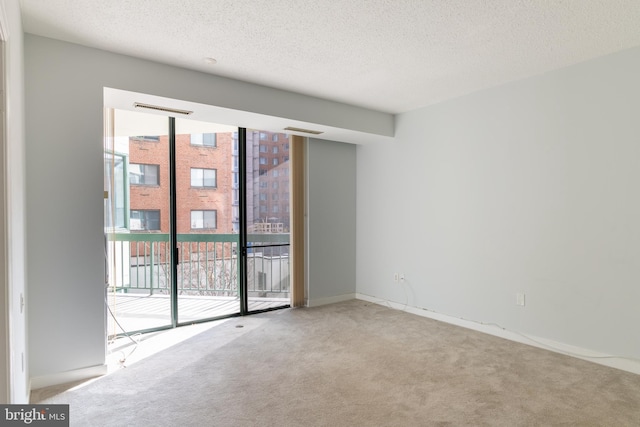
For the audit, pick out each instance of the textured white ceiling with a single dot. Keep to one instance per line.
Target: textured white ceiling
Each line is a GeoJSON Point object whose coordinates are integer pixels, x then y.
{"type": "Point", "coordinates": [387, 55]}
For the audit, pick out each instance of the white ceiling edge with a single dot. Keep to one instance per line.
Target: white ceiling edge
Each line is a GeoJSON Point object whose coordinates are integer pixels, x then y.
{"type": "Point", "coordinates": [124, 100]}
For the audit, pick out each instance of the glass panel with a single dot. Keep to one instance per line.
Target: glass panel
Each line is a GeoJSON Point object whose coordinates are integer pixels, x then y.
{"type": "Point", "coordinates": [206, 224]}
{"type": "Point", "coordinates": [268, 269]}
{"type": "Point", "coordinates": [114, 185]}
{"type": "Point", "coordinates": [137, 222]}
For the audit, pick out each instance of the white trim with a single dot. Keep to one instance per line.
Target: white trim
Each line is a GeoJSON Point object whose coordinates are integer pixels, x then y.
{"type": "Point", "coordinates": [68, 376]}
{"type": "Point", "coordinates": [330, 300]}
{"type": "Point", "coordinates": [5, 333]}
{"type": "Point", "coordinates": [625, 364]}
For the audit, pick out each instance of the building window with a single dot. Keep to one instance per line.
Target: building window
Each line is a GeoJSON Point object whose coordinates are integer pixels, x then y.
{"type": "Point", "coordinates": [263, 136]}
{"type": "Point", "coordinates": [144, 220]}
{"type": "Point", "coordinates": [285, 158]}
{"type": "Point", "coordinates": [140, 174]}
{"type": "Point", "coordinates": [274, 196]}
{"type": "Point", "coordinates": [148, 138]}
{"type": "Point", "coordinates": [203, 139]}
{"type": "Point", "coordinates": [263, 148]}
{"type": "Point", "coordinates": [203, 177]}
{"type": "Point", "coordinates": [263, 160]}
{"type": "Point", "coordinates": [274, 184]}
{"type": "Point", "coordinates": [286, 146]}
{"type": "Point", "coordinates": [274, 172]}
{"type": "Point", "coordinates": [263, 171]}
{"type": "Point", "coordinates": [263, 209]}
{"type": "Point", "coordinates": [274, 137]}
{"type": "Point", "coordinates": [274, 149]}
{"type": "Point", "coordinates": [275, 161]}
{"type": "Point", "coordinates": [263, 196]}
{"type": "Point", "coordinates": [203, 220]}
{"type": "Point", "coordinates": [264, 184]}
{"type": "Point", "coordinates": [274, 209]}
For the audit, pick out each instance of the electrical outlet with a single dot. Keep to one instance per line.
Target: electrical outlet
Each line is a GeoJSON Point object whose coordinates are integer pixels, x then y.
{"type": "Point", "coordinates": [396, 277]}
{"type": "Point", "coordinates": [520, 299]}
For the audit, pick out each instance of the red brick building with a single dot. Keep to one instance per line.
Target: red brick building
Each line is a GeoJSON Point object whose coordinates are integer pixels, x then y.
{"type": "Point", "coordinates": [207, 182]}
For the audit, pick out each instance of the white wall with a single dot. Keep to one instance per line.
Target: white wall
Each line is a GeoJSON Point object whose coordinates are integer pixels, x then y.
{"type": "Point", "coordinates": [528, 187]}
{"type": "Point", "coordinates": [14, 387]}
{"type": "Point", "coordinates": [64, 100]}
{"type": "Point", "coordinates": [331, 215]}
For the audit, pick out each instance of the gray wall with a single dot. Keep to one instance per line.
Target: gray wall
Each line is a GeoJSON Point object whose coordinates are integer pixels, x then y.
{"type": "Point", "coordinates": [64, 96]}
{"type": "Point", "coordinates": [331, 216]}
{"type": "Point", "coordinates": [528, 187]}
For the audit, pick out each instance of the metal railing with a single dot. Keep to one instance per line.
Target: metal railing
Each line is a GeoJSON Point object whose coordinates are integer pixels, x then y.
{"type": "Point", "coordinates": [208, 264]}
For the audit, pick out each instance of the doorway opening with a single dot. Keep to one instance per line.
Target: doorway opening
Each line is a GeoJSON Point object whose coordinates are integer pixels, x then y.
{"type": "Point", "coordinates": [197, 221]}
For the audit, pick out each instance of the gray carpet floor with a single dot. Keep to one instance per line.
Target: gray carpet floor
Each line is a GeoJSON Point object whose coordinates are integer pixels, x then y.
{"type": "Point", "coordinates": [355, 364]}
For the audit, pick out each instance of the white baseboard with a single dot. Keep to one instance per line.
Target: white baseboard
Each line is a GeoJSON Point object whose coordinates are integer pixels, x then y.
{"type": "Point", "coordinates": [68, 376]}
{"type": "Point", "coordinates": [330, 300]}
{"type": "Point", "coordinates": [625, 364]}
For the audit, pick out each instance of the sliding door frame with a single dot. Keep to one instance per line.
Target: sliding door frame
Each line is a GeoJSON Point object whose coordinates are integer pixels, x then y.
{"type": "Point", "coordinates": [242, 213]}
{"type": "Point", "coordinates": [296, 242]}
{"type": "Point", "coordinates": [173, 222]}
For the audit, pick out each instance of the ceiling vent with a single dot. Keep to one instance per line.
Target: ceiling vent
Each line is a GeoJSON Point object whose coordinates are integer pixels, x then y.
{"type": "Point", "coordinates": [312, 132]}
{"type": "Point", "coordinates": [161, 108]}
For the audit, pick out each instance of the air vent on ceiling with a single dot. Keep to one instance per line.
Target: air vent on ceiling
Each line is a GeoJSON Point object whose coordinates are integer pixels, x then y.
{"type": "Point", "coordinates": [312, 132]}
{"type": "Point", "coordinates": [161, 108]}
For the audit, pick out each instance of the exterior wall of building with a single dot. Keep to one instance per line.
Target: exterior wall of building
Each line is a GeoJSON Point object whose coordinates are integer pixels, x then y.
{"type": "Point", "coordinates": [189, 198]}
{"type": "Point", "coordinates": [268, 190]}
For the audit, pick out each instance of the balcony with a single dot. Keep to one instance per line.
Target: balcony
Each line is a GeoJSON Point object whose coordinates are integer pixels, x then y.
{"type": "Point", "coordinates": [139, 280]}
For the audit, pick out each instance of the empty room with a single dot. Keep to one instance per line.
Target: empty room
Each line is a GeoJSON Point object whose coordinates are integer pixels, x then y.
{"type": "Point", "coordinates": [321, 212]}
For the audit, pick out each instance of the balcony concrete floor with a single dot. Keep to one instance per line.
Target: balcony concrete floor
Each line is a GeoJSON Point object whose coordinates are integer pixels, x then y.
{"type": "Point", "coordinates": [136, 312]}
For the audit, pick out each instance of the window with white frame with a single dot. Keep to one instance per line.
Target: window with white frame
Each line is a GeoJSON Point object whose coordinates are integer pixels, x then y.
{"type": "Point", "coordinates": [203, 139]}
{"type": "Point", "coordinates": [144, 219]}
{"type": "Point", "coordinates": [140, 174]}
{"type": "Point", "coordinates": [204, 220]}
{"type": "Point", "coordinates": [203, 177]}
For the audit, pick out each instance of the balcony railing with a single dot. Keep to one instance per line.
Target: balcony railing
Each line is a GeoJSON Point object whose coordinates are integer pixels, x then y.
{"type": "Point", "coordinates": [208, 264]}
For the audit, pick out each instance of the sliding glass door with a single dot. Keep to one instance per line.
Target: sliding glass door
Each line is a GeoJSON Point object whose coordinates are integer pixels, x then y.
{"type": "Point", "coordinates": [207, 220]}
{"type": "Point", "coordinates": [196, 221]}
{"type": "Point", "coordinates": [137, 222]}
{"type": "Point", "coordinates": [268, 220]}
